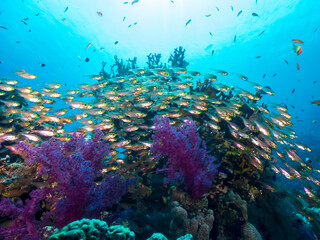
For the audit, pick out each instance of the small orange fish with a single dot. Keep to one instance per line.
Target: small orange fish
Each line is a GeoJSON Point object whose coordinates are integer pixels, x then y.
{"type": "Point", "coordinates": [297, 41]}
{"type": "Point", "coordinates": [298, 66]}
{"type": "Point", "coordinates": [88, 45]}
{"type": "Point", "coordinates": [317, 102]}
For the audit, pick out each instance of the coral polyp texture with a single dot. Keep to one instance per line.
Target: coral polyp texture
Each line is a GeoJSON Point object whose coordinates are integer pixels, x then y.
{"type": "Point", "coordinates": [188, 160]}
{"type": "Point", "coordinates": [74, 186]}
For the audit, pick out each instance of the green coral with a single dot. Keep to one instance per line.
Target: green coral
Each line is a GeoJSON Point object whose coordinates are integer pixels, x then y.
{"type": "Point", "coordinates": [157, 236]}
{"type": "Point", "coordinates": [93, 229]}
{"type": "Point", "coordinates": [85, 229]}
{"type": "Point", "coordinates": [119, 232]}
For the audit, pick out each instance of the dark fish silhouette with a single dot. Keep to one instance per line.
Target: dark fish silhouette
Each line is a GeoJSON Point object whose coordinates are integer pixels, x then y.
{"type": "Point", "coordinates": [116, 42]}
{"type": "Point", "coordinates": [315, 30]}
{"type": "Point", "coordinates": [286, 62]}
{"type": "Point", "coordinates": [123, 18]}
{"type": "Point", "coordinates": [187, 22]}
{"type": "Point", "coordinates": [37, 14]}
{"type": "Point", "coordinates": [293, 90]}
{"type": "Point", "coordinates": [314, 82]}
{"type": "Point", "coordinates": [210, 34]}
{"type": "Point", "coordinates": [212, 52]}
{"type": "Point", "coordinates": [274, 75]}
{"type": "Point", "coordinates": [4, 28]}
{"type": "Point", "coordinates": [258, 56]}
{"type": "Point", "coordinates": [235, 38]}
{"type": "Point", "coordinates": [66, 9]}
{"type": "Point", "coordinates": [239, 13]}
{"type": "Point", "coordinates": [264, 75]}
{"type": "Point", "coordinates": [261, 33]}
{"type": "Point", "coordinates": [255, 14]}
{"type": "Point", "coordinates": [293, 106]}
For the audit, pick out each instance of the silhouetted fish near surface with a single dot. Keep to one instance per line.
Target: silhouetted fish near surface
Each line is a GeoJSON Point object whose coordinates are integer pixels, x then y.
{"type": "Point", "coordinates": [187, 22]}
{"type": "Point", "coordinates": [235, 38]}
{"type": "Point", "coordinates": [315, 30]}
{"type": "Point", "coordinates": [255, 14]}
{"type": "Point", "coordinates": [210, 34]}
{"type": "Point", "coordinates": [261, 33]}
{"type": "Point", "coordinates": [134, 1]}
{"type": "Point", "coordinates": [286, 62]}
{"type": "Point", "coordinates": [258, 56]}
{"type": "Point", "coordinates": [293, 90]}
{"type": "Point", "coordinates": [274, 75]}
{"type": "Point", "coordinates": [66, 9]}
{"type": "Point", "coordinates": [123, 18]}
{"type": "Point", "coordinates": [293, 106]}
{"type": "Point", "coordinates": [239, 13]}
{"type": "Point", "coordinates": [4, 28]}
{"type": "Point", "coordinates": [314, 82]}
{"type": "Point", "coordinates": [264, 75]}
{"type": "Point", "coordinates": [208, 15]}
{"type": "Point", "coordinates": [212, 52]}
{"type": "Point", "coordinates": [116, 42]}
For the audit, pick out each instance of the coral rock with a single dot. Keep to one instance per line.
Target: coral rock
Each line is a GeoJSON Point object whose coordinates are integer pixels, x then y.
{"type": "Point", "coordinates": [249, 232]}
{"type": "Point", "coordinates": [157, 236]}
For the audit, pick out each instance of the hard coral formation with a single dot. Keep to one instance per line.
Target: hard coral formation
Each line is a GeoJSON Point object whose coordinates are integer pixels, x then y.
{"type": "Point", "coordinates": [73, 180]}
{"type": "Point", "coordinates": [83, 229]}
{"type": "Point", "coordinates": [123, 68]}
{"type": "Point", "coordinates": [199, 226]}
{"type": "Point", "coordinates": [188, 160]}
{"type": "Point", "coordinates": [250, 232]}
{"type": "Point", "coordinates": [177, 58]}
{"type": "Point", "coordinates": [154, 61]}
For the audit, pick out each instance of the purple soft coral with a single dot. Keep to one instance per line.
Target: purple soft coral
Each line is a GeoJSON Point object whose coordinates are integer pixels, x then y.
{"type": "Point", "coordinates": [71, 170]}
{"type": "Point", "coordinates": [187, 156]}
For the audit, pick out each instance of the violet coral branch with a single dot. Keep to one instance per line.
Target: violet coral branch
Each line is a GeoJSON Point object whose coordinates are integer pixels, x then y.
{"type": "Point", "coordinates": [188, 160]}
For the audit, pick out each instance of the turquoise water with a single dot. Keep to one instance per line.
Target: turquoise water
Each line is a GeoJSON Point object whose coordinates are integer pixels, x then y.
{"type": "Point", "coordinates": [52, 39]}
{"type": "Point", "coordinates": [58, 38]}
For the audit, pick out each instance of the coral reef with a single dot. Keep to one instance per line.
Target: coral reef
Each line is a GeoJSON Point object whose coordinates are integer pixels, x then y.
{"type": "Point", "coordinates": [121, 67]}
{"type": "Point", "coordinates": [177, 59]}
{"type": "Point", "coordinates": [70, 172]}
{"type": "Point", "coordinates": [92, 229]}
{"type": "Point", "coordinates": [198, 226]}
{"type": "Point", "coordinates": [154, 61]}
{"type": "Point", "coordinates": [188, 160]}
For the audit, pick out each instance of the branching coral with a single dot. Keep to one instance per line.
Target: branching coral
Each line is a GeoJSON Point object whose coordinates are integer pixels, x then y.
{"type": "Point", "coordinates": [177, 58]}
{"type": "Point", "coordinates": [188, 160]}
{"type": "Point", "coordinates": [154, 60]}
{"type": "Point", "coordinates": [71, 170]}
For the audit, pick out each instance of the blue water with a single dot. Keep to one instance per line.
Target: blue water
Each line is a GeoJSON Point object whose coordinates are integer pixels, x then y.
{"type": "Point", "coordinates": [58, 37]}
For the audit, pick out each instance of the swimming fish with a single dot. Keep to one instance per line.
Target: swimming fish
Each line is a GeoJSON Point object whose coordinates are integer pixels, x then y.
{"type": "Point", "coordinates": [100, 14]}
{"type": "Point", "coordinates": [298, 66]}
{"type": "Point", "coordinates": [134, 1]}
{"type": "Point", "coordinates": [3, 27]}
{"type": "Point", "coordinates": [255, 14]}
{"type": "Point", "coordinates": [66, 9]}
{"type": "Point", "coordinates": [239, 13]}
{"type": "Point", "coordinates": [26, 75]}
{"type": "Point", "coordinates": [286, 62]}
{"type": "Point", "coordinates": [235, 38]}
{"type": "Point", "coordinates": [297, 49]}
{"type": "Point", "coordinates": [208, 15]}
{"type": "Point", "coordinates": [88, 45]}
{"type": "Point", "coordinates": [317, 102]}
{"type": "Point", "coordinates": [187, 22]}
{"type": "Point", "coordinates": [297, 41]}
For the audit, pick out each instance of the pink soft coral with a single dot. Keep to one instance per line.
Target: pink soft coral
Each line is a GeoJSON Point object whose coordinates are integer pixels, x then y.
{"type": "Point", "coordinates": [72, 171]}
{"type": "Point", "coordinates": [188, 160]}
